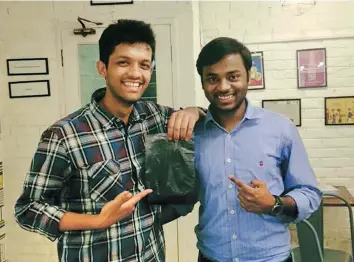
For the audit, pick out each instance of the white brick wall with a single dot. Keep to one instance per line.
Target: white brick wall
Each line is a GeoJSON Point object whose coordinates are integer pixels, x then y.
{"type": "Point", "coordinates": [278, 32]}
{"type": "Point", "coordinates": [267, 26]}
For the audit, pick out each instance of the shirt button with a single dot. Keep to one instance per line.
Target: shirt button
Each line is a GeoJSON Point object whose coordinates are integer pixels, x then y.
{"type": "Point", "coordinates": [230, 185]}
{"type": "Point", "coordinates": [232, 211]}
{"type": "Point", "coordinates": [228, 136]}
{"type": "Point", "coordinates": [234, 236]}
{"type": "Point", "coordinates": [228, 160]}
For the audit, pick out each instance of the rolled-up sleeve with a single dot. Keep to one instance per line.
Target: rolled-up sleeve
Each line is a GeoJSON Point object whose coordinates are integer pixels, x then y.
{"type": "Point", "coordinates": [36, 208]}
{"type": "Point", "coordinates": [300, 181]}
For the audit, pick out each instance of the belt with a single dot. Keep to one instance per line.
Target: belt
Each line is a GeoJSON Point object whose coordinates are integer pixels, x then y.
{"type": "Point", "coordinates": [203, 258]}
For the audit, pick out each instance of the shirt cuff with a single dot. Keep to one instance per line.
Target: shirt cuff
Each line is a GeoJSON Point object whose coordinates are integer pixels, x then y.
{"type": "Point", "coordinates": [302, 203]}
{"type": "Point", "coordinates": [50, 224]}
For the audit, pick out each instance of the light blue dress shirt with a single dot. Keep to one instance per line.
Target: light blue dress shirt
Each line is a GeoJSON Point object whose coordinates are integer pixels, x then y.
{"type": "Point", "coordinates": [264, 146]}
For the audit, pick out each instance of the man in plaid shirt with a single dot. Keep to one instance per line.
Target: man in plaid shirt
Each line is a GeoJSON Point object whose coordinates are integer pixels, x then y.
{"type": "Point", "coordinates": [83, 187]}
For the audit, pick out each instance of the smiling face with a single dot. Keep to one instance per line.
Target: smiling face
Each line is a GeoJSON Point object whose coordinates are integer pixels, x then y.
{"type": "Point", "coordinates": [128, 72]}
{"type": "Point", "coordinates": [225, 84]}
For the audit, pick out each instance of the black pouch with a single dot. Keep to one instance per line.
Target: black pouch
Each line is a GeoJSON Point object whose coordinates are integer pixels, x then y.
{"type": "Point", "coordinates": [170, 171]}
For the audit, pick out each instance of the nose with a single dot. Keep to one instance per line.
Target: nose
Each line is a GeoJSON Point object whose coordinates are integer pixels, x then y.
{"type": "Point", "coordinates": [134, 71]}
{"type": "Point", "coordinates": [224, 85]}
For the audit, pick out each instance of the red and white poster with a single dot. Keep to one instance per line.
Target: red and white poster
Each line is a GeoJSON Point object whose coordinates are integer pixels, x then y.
{"type": "Point", "coordinates": [312, 68]}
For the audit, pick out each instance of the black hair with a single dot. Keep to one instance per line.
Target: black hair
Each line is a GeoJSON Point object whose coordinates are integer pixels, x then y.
{"type": "Point", "coordinates": [220, 47]}
{"type": "Point", "coordinates": [125, 31]}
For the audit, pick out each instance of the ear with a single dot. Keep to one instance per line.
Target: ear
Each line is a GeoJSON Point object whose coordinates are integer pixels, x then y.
{"type": "Point", "coordinates": [101, 68]}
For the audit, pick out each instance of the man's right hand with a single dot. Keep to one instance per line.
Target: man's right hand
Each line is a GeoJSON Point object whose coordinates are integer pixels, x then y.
{"type": "Point", "coordinates": [122, 206]}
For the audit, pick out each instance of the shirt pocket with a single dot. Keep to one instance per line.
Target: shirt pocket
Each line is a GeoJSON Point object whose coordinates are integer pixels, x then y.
{"type": "Point", "coordinates": [105, 180]}
{"type": "Point", "coordinates": [264, 168]}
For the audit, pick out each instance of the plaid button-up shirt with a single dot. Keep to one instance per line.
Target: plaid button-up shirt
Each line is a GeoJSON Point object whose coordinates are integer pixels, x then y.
{"type": "Point", "coordinates": [81, 163]}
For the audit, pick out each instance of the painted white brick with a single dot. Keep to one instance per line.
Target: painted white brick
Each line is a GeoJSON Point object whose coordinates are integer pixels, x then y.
{"type": "Point", "coordinates": [310, 103]}
{"type": "Point", "coordinates": [215, 6]}
{"type": "Point", "coordinates": [333, 162]}
{"type": "Point", "coordinates": [346, 172]}
{"type": "Point", "coordinates": [67, 10]}
{"type": "Point", "coordinates": [338, 43]}
{"type": "Point", "coordinates": [329, 147]}
{"type": "Point", "coordinates": [298, 45]}
{"type": "Point", "coordinates": [331, 152]}
{"type": "Point", "coordinates": [336, 143]}
{"type": "Point", "coordinates": [335, 132]}
{"type": "Point", "coordinates": [260, 36]}
{"type": "Point", "coordinates": [223, 24]}
{"type": "Point", "coordinates": [337, 82]}
{"type": "Point", "coordinates": [280, 65]}
{"type": "Point", "coordinates": [275, 83]}
{"type": "Point", "coordinates": [208, 21]}
{"type": "Point", "coordinates": [323, 172]}
{"type": "Point", "coordinates": [338, 181]}
{"type": "Point", "coordinates": [27, 131]}
{"type": "Point", "coordinates": [279, 55]}
{"type": "Point", "coordinates": [315, 123]}
{"type": "Point", "coordinates": [340, 72]}
{"type": "Point", "coordinates": [340, 52]}
{"type": "Point", "coordinates": [284, 74]}
{"type": "Point", "coordinates": [240, 9]}
{"type": "Point", "coordinates": [334, 62]}
{"type": "Point", "coordinates": [280, 93]}
{"type": "Point", "coordinates": [209, 35]}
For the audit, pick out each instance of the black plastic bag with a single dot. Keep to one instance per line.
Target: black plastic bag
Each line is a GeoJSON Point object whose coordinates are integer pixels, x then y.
{"type": "Point", "coordinates": [170, 171]}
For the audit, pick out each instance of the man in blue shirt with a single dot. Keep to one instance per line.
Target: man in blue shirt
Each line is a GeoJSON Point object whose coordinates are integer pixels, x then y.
{"type": "Point", "coordinates": [253, 166]}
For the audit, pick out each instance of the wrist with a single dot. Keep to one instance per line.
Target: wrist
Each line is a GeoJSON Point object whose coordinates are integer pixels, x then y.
{"type": "Point", "coordinates": [98, 222]}
{"type": "Point", "coordinates": [271, 204]}
{"type": "Point", "coordinates": [278, 207]}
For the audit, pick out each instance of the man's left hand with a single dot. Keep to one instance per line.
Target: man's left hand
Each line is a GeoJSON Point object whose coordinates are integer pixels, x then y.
{"type": "Point", "coordinates": [255, 198]}
{"type": "Point", "coordinates": [181, 123]}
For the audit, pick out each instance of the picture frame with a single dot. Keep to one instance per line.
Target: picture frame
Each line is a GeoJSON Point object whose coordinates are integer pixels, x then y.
{"type": "Point", "coordinates": [311, 68]}
{"type": "Point", "coordinates": [111, 2]}
{"type": "Point", "coordinates": [27, 66]}
{"type": "Point", "coordinates": [339, 110]}
{"type": "Point", "coordinates": [257, 80]}
{"type": "Point", "coordinates": [290, 108]}
{"type": "Point", "coordinates": [22, 89]}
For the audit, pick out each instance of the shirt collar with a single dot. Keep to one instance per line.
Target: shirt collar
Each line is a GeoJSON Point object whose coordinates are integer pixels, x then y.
{"type": "Point", "coordinates": [251, 113]}
{"type": "Point", "coordinates": [107, 120]}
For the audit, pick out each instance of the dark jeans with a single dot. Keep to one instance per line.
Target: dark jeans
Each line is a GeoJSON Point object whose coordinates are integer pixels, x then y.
{"type": "Point", "coordinates": [202, 258]}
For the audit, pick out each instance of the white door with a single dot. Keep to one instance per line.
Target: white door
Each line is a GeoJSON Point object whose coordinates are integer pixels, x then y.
{"type": "Point", "coordinates": [81, 79]}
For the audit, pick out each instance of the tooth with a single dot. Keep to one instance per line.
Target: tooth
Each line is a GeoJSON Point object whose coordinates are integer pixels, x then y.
{"type": "Point", "coordinates": [225, 97]}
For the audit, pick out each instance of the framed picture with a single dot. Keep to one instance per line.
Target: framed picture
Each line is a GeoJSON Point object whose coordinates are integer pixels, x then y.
{"type": "Point", "coordinates": [257, 72]}
{"type": "Point", "coordinates": [311, 68]}
{"type": "Point", "coordinates": [290, 108]}
{"type": "Point", "coordinates": [111, 2]}
{"type": "Point", "coordinates": [339, 110]}
{"type": "Point", "coordinates": [27, 66]}
{"type": "Point", "coordinates": [22, 89]}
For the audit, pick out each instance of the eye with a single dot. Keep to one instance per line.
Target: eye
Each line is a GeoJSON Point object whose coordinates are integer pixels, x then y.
{"type": "Point", "coordinates": [212, 80]}
{"type": "Point", "coordinates": [146, 66]}
{"type": "Point", "coordinates": [233, 77]}
{"type": "Point", "coordinates": [122, 62]}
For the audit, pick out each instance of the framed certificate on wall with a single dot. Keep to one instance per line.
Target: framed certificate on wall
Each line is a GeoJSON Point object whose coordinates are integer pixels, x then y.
{"type": "Point", "coordinates": [290, 108]}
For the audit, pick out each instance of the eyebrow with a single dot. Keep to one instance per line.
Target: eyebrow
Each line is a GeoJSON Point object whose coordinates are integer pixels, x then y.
{"type": "Point", "coordinates": [128, 58]}
{"type": "Point", "coordinates": [230, 72]}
